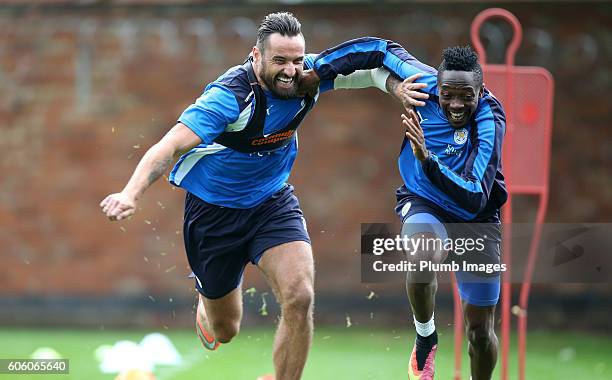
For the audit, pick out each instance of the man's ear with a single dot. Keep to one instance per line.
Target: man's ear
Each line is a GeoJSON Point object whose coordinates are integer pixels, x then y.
{"type": "Point", "coordinates": [481, 92]}
{"type": "Point", "coordinates": [256, 54]}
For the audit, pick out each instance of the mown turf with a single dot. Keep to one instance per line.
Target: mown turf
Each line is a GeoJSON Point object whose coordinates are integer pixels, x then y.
{"type": "Point", "coordinates": [337, 354]}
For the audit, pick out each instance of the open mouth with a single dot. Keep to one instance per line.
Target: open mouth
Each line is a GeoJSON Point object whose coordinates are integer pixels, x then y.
{"type": "Point", "coordinates": [284, 81]}
{"type": "Point", "coordinates": [456, 116]}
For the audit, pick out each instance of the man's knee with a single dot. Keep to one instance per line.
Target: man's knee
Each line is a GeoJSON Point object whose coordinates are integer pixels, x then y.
{"type": "Point", "coordinates": [224, 331]}
{"type": "Point", "coordinates": [481, 337]}
{"type": "Point", "coordinates": [298, 298]}
{"type": "Point", "coordinates": [425, 246]}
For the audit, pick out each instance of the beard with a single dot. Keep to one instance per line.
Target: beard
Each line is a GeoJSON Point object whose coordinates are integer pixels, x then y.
{"type": "Point", "coordinates": [278, 88]}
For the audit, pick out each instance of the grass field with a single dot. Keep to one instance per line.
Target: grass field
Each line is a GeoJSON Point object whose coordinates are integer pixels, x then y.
{"type": "Point", "coordinates": [340, 353]}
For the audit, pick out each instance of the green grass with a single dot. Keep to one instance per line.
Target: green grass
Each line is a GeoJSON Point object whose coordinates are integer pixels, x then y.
{"type": "Point", "coordinates": [340, 353]}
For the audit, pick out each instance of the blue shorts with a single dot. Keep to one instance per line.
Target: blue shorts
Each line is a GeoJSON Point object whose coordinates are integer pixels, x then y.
{"type": "Point", "coordinates": [220, 241]}
{"type": "Point", "coordinates": [421, 215]}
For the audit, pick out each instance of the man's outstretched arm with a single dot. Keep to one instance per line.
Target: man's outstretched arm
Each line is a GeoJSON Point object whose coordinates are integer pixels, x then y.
{"type": "Point", "coordinates": [153, 165]}
{"type": "Point", "coordinates": [408, 92]}
{"type": "Point", "coordinates": [368, 53]}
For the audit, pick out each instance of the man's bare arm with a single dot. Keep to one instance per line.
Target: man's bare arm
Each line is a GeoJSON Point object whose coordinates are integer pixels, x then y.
{"type": "Point", "coordinates": [153, 165]}
{"type": "Point", "coordinates": [406, 92]}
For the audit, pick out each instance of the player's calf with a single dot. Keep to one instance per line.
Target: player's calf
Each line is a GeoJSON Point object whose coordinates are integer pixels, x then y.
{"type": "Point", "coordinates": [483, 352]}
{"type": "Point", "coordinates": [481, 338]}
{"type": "Point", "coordinates": [218, 320]}
{"type": "Point", "coordinates": [202, 330]}
{"type": "Point", "coordinates": [224, 330]}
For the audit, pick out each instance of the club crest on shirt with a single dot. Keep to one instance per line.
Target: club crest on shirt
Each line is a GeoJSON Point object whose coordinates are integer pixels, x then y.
{"type": "Point", "coordinates": [461, 136]}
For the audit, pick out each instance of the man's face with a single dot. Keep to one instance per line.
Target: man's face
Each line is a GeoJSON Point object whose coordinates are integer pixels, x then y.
{"type": "Point", "coordinates": [281, 65]}
{"type": "Point", "coordinates": [458, 93]}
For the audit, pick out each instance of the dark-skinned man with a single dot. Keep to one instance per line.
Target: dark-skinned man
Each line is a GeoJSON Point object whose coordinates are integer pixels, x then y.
{"type": "Point", "coordinates": [453, 188]}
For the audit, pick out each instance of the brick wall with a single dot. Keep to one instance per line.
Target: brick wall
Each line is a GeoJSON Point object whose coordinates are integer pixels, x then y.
{"type": "Point", "coordinates": [85, 90]}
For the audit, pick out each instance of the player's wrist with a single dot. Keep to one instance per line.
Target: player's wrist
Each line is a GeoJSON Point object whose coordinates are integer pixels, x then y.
{"type": "Point", "coordinates": [131, 195]}
{"type": "Point", "coordinates": [392, 86]}
{"type": "Point", "coordinates": [424, 156]}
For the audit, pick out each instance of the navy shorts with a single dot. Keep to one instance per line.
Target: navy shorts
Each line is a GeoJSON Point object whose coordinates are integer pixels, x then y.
{"type": "Point", "coordinates": [421, 215]}
{"type": "Point", "coordinates": [220, 241]}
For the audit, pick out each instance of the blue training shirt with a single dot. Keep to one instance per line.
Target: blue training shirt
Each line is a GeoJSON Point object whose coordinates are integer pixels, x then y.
{"type": "Point", "coordinates": [463, 172]}
{"type": "Point", "coordinates": [225, 177]}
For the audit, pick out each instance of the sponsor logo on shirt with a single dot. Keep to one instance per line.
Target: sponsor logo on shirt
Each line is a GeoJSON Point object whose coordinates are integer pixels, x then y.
{"type": "Point", "coordinates": [451, 151]}
{"type": "Point", "coordinates": [421, 120]}
{"type": "Point", "coordinates": [271, 139]}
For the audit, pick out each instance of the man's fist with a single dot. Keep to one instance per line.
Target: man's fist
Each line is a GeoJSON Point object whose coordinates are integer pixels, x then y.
{"type": "Point", "coordinates": [309, 83]}
{"type": "Point", "coordinates": [118, 206]}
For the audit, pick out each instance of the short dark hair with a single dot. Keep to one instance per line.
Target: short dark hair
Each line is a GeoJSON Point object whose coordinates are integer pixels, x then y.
{"type": "Point", "coordinates": [461, 58]}
{"type": "Point", "coordinates": [284, 23]}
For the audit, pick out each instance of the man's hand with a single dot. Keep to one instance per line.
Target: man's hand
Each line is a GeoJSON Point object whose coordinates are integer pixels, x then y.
{"type": "Point", "coordinates": [118, 206]}
{"type": "Point", "coordinates": [153, 165]}
{"type": "Point", "coordinates": [407, 91]}
{"type": "Point", "coordinates": [414, 132]}
{"type": "Point", "coordinates": [309, 83]}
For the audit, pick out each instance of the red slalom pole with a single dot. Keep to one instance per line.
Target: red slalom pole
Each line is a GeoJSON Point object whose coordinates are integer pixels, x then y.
{"type": "Point", "coordinates": [458, 328]}
{"type": "Point", "coordinates": [506, 291]}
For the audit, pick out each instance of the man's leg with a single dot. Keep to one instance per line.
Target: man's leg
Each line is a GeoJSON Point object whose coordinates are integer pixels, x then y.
{"type": "Point", "coordinates": [480, 294]}
{"type": "Point", "coordinates": [219, 317]}
{"type": "Point", "coordinates": [479, 324]}
{"type": "Point", "coordinates": [216, 240]}
{"type": "Point", "coordinates": [421, 287]}
{"type": "Point", "coordinates": [289, 270]}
